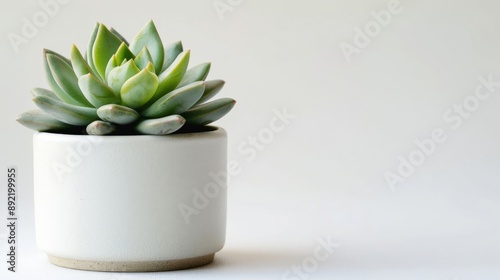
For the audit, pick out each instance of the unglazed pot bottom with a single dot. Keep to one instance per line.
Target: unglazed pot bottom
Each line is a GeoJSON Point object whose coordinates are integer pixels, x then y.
{"type": "Point", "coordinates": [141, 266]}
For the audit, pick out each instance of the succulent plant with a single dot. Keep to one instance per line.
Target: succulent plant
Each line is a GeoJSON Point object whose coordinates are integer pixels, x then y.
{"type": "Point", "coordinates": [119, 88]}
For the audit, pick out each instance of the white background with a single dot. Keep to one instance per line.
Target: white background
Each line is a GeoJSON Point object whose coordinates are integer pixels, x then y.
{"type": "Point", "coordinates": [322, 176]}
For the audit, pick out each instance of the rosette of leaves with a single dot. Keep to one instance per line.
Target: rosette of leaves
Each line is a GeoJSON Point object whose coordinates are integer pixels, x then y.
{"type": "Point", "coordinates": [141, 87]}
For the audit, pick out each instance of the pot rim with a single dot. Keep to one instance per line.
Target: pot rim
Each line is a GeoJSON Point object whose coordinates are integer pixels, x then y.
{"type": "Point", "coordinates": [212, 131]}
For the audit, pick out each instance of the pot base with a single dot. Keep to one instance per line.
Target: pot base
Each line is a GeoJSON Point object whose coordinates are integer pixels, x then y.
{"type": "Point", "coordinates": [143, 266]}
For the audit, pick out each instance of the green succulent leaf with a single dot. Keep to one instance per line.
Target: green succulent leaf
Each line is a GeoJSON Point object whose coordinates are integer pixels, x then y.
{"type": "Point", "coordinates": [52, 83]}
{"type": "Point", "coordinates": [175, 102]}
{"type": "Point", "coordinates": [170, 78]}
{"type": "Point", "coordinates": [67, 113]}
{"type": "Point", "coordinates": [97, 92]}
{"type": "Point", "coordinates": [149, 37]}
{"type": "Point", "coordinates": [211, 89]}
{"type": "Point", "coordinates": [124, 53]}
{"type": "Point", "coordinates": [66, 79]}
{"type": "Point", "coordinates": [172, 51]}
{"type": "Point", "coordinates": [119, 75]}
{"type": "Point", "coordinates": [117, 34]}
{"type": "Point", "coordinates": [161, 126]}
{"type": "Point", "coordinates": [208, 112]}
{"type": "Point", "coordinates": [100, 128]}
{"type": "Point", "coordinates": [65, 59]}
{"type": "Point", "coordinates": [139, 89]}
{"type": "Point", "coordinates": [40, 121]}
{"type": "Point", "coordinates": [195, 74]}
{"type": "Point", "coordinates": [106, 44]}
{"type": "Point", "coordinates": [112, 64]}
{"type": "Point", "coordinates": [59, 92]}
{"type": "Point", "coordinates": [44, 92]}
{"type": "Point", "coordinates": [151, 68]}
{"type": "Point", "coordinates": [142, 86]}
{"type": "Point", "coordinates": [90, 56]}
{"type": "Point", "coordinates": [143, 59]}
{"type": "Point", "coordinates": [118, 114]}
{"type": "Point", "coordinates": [80, 66]}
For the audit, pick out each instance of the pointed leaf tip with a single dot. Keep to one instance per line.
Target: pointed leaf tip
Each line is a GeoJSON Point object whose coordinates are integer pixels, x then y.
{"type": "Point", "coordinates": [171, 77]}
{"type": "Point", "coordinates": [208, 112]}
{"type": "Point", "coordinates": [40, 121]}
{"type": "Point", "coordinates": [211, 89]}
{"type": "Point", "coordinates": [67, 113]}
{"type": "Point", "coordinates": [105, 45]}
{"type": "Point", "coordinates": [195, 74]}
{"type": "Point", "coordinates": [149, 37]}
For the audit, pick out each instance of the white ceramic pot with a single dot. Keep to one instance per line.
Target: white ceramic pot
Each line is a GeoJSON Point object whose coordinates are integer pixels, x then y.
{"type": "Point", "coordinates": [130, 203]}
